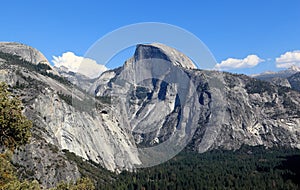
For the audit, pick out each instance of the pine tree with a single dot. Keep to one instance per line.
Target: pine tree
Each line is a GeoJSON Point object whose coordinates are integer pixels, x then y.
{"type": "Point", "coordinates": [14, 126]}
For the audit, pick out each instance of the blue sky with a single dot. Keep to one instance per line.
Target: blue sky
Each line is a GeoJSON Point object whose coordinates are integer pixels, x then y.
{"type": "Point", "coordinates": [230, 29]}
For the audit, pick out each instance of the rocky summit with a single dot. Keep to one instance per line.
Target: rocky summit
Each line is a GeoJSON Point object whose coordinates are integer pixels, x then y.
{"type": "Point", "coordinates": [25, 52]}
{"type": "Point", "coordinates": [143, 112]}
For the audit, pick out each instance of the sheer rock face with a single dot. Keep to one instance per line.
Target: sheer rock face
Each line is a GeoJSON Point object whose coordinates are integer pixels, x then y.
{"type": "Point", "coordinates": [232, 109]}
{"type": "Point", "coordinates": [161, 51]}
{"type": "Point", "coordinates": [39, 159]}
{"type": "Point", "coordinates": [89, 131]}
{"type": "Point", "coordinates": [154, 98]}
{"type": "Point", "coordinates": [93, 134]}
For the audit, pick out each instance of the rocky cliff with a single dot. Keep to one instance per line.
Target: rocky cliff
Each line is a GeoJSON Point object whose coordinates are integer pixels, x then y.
{"type": "Point", "coordinates": [145, 112]}
{"type": "Point", "coordinates": [229, 110]}
{"type": "Point", "coordinates": [66, 117]}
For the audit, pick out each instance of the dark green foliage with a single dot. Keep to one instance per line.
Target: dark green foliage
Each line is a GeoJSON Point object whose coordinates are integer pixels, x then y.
{"type": "Point", "coordinates": [87, 104]}
{"type": "Point", "coordinates": [230, 81]}
{"type": "Point", "coordinates": [104, 99]}
{"type": "Point", "coordinates": [14, 126]}
{"type": "Point", "coordinates": [42, 66]}
{"type": "Point", "coordinates": [67, 98]}
{"type": "Point", "coordinates": [141, 92]}
{"type": "Point", "coordinates": [39, 68]}
{"type": "Point", "coordinates": [290, 106]}
{"type": "Point", "coordinates": [94, 171]}
{"type": "Point", "coordinates": [258, 86]}
{"type": "Point", "coordinates": [288, 103]}
{"type": "Point", "coordinates": [19, 85]}
{"type": "Point", "coordinates": [81, 184]}
{"type": "Point", "coordinates": [58, 78]}
{"type": "Point", "coordinates": [247, 168]}
{"type": "Point", "coordinates": [9, 179]}
{"type": "Point", "coordinates": [282, 90]}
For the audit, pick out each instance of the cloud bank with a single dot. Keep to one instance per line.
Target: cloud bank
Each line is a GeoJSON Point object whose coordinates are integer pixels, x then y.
{"type": "Point", "coordinates": [288, 59]}
{"type": "Point", "coordinates": [78, 64]}
{"type": "Point", "coordinates": [232, 63]}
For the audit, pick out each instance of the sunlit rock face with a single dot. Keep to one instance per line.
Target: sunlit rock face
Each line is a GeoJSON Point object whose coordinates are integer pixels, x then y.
{"type": "Point", "coordinates": [156, 104]}
{"type": "Point", "coordinates": [28, 53]}
{"type": "Point", "coordinates": [231, 109]}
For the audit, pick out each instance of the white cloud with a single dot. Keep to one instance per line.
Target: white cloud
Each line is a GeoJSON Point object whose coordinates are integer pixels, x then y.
{"type": "Point", "coordinates": [288, 59]}
{"type": "Point", "coordinates": [74, 63]}
{"type": "Point", "coordinates": [232, 63]}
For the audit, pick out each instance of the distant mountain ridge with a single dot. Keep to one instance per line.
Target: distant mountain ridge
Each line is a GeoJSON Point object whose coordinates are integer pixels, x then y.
{"type": "Point", "coordinates": [280, 74]}
{"type": "Point", "coordinates": [288, 78]}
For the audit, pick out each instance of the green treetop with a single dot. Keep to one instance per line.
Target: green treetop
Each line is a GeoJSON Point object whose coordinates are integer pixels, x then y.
{"type": "Point", "coordinates": [14, 126]}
